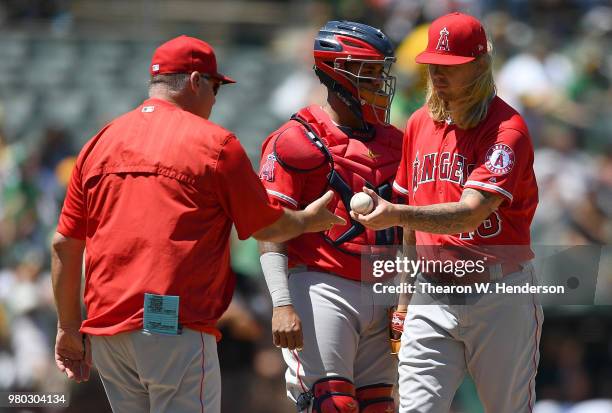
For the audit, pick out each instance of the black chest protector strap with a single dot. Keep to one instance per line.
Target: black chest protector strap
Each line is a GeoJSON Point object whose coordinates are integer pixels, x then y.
{"type": "Point", "coordinates": [345, 192]}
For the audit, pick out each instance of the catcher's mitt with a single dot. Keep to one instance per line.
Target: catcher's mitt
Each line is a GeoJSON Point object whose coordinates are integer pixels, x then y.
{"type": "Point", "coordinates": [396, 327]}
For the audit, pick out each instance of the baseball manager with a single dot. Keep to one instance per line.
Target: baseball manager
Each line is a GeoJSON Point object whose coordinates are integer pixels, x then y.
{"type": "Point", "coordinates": [152, 200]}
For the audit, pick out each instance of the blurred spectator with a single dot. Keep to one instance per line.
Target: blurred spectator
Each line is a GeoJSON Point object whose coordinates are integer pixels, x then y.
{"type": "Point", "coordinates": [300, 87]}
{"type": "Point", "coordinates": [56, 146]}
{"type": "Point", "coordinates": [565, 175]}
{"type": "Point", "coordinates": [8, 373]}
{"type": "Point", "coordinates": [411, 77]}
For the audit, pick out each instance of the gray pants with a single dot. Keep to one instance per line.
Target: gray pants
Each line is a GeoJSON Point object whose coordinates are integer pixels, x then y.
{"type": "Point", "coordinates": [494, 338]}
{"type": "Point", "coordinates": [144, 372]}
{"type": "Point", "coordinates": [345, 333]}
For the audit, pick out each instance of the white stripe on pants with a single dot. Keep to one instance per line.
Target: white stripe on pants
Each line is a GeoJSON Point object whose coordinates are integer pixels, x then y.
{"type": "Point", "coordinates": [144, 372]}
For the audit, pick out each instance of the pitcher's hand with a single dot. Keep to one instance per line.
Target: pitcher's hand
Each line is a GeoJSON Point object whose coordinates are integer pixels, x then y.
{"type": "Point", "coordinates": [384, 215]}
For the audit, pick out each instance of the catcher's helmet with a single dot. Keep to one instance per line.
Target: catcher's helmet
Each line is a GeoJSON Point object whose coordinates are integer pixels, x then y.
{"type": "Point", "coordinates": [341, 42]}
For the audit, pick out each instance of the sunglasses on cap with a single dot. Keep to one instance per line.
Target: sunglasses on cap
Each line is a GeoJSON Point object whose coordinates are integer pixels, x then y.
{"type": "Point", "coordinates": [216, 83]}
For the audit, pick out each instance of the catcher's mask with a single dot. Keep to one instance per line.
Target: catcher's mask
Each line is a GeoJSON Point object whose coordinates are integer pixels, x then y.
{"type": "Point", "coordinates": [354, 60]}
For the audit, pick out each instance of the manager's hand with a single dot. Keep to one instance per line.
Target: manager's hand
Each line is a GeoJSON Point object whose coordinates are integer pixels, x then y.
{"type": "Point", "coordinates": [318, 218]}
{"type": "Point", "coordinates": [73, 354]}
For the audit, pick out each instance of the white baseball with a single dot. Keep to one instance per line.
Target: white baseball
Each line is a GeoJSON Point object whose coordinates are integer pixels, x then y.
{"type": "Point", "coordinates": [362, 203]}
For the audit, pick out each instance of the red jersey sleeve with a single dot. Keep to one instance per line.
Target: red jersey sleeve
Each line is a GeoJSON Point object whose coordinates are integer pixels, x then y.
{"type": "Point", "coordinates": [284, 187]}
{"type": "Point", "coordinates": [501, 163]}
{"type": "Point", "coordinates": [73, 218]}
{"type": "Point", "coordinates": [240, 193]}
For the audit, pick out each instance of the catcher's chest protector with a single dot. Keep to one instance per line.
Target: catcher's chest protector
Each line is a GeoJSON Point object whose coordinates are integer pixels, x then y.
{"type": "Point", "coordinates": [353, 163]}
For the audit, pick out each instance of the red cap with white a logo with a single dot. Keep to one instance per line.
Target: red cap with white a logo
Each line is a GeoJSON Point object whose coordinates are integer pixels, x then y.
{"type": "Point", "coordinates": [186, 54]}
{"type": "Point", "coordinates": [454, 39]}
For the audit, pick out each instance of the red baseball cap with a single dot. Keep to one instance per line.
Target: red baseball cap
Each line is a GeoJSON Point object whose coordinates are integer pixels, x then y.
{"type": "Point", "coordinates": [186, 54]}
{"type": "Point", "coordinates": [454, 39]}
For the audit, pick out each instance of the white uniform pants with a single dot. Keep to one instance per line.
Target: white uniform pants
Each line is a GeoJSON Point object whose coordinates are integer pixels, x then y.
{"type": "Point", "coordinates": [144, 372]}
{"type": "Point", "coordinates": [345, 333]}
{"type": "Point", "coordinates": [494, 338]}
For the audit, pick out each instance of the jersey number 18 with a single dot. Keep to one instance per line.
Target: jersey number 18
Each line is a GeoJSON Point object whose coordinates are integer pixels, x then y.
{"type": "Point", "coordinates": [489, 228]}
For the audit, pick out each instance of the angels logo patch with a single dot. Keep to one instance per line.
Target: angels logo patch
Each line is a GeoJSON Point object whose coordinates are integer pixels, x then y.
{"type": "Point", "coordinates": [500, 159]}
{"type": "Point", "coordinates": [267, 170]}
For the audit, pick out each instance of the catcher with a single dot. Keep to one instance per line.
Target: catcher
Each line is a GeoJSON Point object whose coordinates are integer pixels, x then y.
{"type": "Point", "coordinates": [333, 337]}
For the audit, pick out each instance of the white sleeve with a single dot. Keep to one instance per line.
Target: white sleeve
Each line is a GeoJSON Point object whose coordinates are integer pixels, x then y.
{"type": "Point", "coordinates": [275, 268]}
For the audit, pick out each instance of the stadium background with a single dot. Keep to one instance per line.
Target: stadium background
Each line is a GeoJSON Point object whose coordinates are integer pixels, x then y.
{"type": "Point", "coordinates": [67, 67]}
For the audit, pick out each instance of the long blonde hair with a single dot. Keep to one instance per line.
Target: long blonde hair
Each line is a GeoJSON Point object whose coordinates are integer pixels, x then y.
{"type": "Point", "coordinates": [475, 103]}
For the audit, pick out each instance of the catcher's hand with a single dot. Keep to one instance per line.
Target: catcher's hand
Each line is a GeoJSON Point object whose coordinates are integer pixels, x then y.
{"type": "Point", "coordinates": [396, 327]}
{"type": "Point", "coordinates": [287, 328]}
